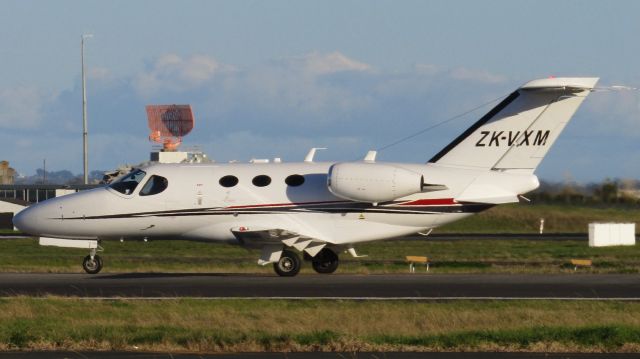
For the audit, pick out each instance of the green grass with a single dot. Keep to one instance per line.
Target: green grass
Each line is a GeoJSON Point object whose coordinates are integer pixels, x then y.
{"type": "Point", "coordinates": [447, 256]}
{"type": "Point", "coordinates": [278, 325]}
{"type": "Point", "coordinates": [525, 218]}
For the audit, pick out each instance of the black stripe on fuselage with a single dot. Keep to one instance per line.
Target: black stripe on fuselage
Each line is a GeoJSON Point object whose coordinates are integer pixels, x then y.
{"type": "Point", "coordinates": [337, 208]}
{"type": "Point", "coordinates": [486, 118]}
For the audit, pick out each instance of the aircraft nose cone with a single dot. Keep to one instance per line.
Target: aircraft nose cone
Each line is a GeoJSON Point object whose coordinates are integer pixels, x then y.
{"type": "Point", "coordinates": [27, 220]}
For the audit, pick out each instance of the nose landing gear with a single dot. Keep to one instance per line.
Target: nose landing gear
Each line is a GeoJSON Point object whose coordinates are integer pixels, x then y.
{"type": "Point", "coordinates": [92, 264]}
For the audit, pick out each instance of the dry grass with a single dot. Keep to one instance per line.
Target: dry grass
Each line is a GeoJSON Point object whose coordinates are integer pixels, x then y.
{"type": "Point", "coordinates": [244, 325]}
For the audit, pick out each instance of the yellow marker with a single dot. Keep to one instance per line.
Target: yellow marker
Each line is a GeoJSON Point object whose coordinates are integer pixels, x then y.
{"type": "Point", "coordinates": [361, 216]}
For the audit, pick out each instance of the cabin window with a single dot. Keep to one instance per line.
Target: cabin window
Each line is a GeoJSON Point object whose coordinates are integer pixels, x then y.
{"type": "Point", "coordinates": [128, 183]}
{"type": "Point", "coordinates": [261, 180]}
{"type": "Point", "coordinates": [154, 185]}
{"type": "Point", "coordinates": [228, 181]}
{"type": "Point", "coordinates": [294, 180]}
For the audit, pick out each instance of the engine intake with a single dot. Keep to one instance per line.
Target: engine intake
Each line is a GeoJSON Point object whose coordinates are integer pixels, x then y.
{"type": "Point", "coordinates": [372, 182]}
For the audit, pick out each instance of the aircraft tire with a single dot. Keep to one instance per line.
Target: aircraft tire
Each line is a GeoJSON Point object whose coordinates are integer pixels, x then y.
{"type": "Point", "coordinates": [325, 262]}
{"type": "Point", "coordinates": [288, 265]}
{"type": "Point", "coordinates": [92, 266]}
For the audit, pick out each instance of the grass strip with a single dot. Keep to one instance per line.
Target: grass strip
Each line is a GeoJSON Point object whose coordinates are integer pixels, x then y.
{"type": "Point", "coordinates": [280, 325]}
{"type": "Point", "coordinates": [459, 256]}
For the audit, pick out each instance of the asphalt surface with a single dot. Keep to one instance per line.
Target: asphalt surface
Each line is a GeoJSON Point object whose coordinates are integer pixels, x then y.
{"type": "Point", "coordinates": [404, 286]}
{"type": "Point", "coordinates": [313, 355]}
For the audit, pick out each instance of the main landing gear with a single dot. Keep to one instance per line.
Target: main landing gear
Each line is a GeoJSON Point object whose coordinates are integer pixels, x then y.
{"type": "Point", "coordinates": [289, 264]}
{"type": "Point", "coordinates": [92, 263]}
{"type": "Point", "coordinates": [325, 262]}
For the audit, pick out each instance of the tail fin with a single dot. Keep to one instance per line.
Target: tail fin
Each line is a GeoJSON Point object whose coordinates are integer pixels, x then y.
{"type": "Point", "coordinates": [518, 132]}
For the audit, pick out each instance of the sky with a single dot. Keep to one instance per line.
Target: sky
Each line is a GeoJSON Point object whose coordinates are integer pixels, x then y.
{"type": "Point", "coordinates": [275, 78]}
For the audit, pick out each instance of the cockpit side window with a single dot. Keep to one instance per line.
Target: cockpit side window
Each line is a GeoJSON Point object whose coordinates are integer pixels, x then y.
{"type": "Point", "coordinates": [154, 185]}
{"type": "Point", "coordinates": [128, 183]}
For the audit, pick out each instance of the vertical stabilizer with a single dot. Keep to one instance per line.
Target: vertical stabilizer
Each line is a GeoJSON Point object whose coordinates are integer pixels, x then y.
{"type": "Point", "coordinates": [518, 132]}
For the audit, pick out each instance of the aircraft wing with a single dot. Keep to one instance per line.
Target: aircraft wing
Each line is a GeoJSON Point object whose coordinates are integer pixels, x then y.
{"type": "Point", "coordinates": [273, 240]}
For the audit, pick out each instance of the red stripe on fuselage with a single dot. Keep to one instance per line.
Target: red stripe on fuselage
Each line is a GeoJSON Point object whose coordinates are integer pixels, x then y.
{"type": "Point", "coordinates": [430, 202]}
{"type": "Point", "coordinates": [419, 202]}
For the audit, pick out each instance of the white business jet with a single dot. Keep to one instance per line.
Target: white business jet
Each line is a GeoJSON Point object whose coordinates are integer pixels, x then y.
{"type": "Point", "coordinates": [314, 208]}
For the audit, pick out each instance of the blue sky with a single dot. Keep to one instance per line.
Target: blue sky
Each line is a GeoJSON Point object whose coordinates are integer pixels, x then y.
{"type": "Point", "coordinates": [273, 78]}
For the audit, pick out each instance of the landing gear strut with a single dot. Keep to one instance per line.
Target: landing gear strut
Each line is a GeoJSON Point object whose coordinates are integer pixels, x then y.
{"type": "Point", "coordinates": [92, 263]}
{"type": "Point", "coordinates": [325, 262]}
{"type": "Point", "coordinates": [288, 265]}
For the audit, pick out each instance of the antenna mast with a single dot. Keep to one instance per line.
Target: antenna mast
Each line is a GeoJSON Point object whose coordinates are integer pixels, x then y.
{"type": "Point", "coordinates": [85, 155]}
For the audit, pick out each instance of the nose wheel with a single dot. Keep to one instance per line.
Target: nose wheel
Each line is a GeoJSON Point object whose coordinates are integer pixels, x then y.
{"type": "Point", "coordinates": [92, 263]}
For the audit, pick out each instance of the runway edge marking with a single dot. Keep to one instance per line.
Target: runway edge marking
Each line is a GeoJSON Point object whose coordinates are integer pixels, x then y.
{"type": "Point", "coordinates": [424, 299]}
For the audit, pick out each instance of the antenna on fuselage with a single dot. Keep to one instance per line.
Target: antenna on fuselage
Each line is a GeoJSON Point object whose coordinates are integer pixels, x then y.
{"type": "Point", "coordinates": [312, 153]}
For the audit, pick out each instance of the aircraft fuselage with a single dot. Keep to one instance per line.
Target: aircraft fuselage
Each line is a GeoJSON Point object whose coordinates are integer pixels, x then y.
{"type": "Point", "coordinates": [196, 206]}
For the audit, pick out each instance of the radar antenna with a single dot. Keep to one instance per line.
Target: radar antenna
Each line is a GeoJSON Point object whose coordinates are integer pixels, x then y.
{"type": "Point", "coordinates": [168, 124]}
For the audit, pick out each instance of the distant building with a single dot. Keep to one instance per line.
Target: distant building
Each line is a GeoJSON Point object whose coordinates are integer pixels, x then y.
{"type": "Point", "coordinates": [7, 174]}
{"type": "Point", "coordinates": [629, 193]}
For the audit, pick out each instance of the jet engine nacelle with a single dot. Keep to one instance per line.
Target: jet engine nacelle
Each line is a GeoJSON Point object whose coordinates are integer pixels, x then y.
{"type": "Point", "coordinates": [372, 182]}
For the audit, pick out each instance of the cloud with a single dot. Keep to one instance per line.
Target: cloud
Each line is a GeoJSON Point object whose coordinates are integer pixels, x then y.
{"type": "Point", "coordinates": [98, 73]}
{"type": "Point", "coordinates": [281, 108]}
{"type": "Point", "coordinates": [22, 107]}
{"type": "Point", "coordinates": [613, 113]}
{"type": "Point", "coordinates": [289, 147]}
{"type": "Point", "coordinates": [460, 73]}
{"type": "Point", "coordinates": [322, 64]}
{"type": "Point", "coordinates": [172, 73]}
{"type": "Point", "coordinates": [308, 90]}
{"type": "Point", "coordinates": [427, 69]}
{"type": "Point", "coordinates": [466, 74]}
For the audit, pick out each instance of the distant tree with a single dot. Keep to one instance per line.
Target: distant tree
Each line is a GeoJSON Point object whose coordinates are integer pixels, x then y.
{"type": "Point", "coordinates": [607, 192]}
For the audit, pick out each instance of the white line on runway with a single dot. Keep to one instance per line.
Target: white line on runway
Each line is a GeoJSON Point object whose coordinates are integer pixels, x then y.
{"type": "Point", "coordinates": [423, 299]}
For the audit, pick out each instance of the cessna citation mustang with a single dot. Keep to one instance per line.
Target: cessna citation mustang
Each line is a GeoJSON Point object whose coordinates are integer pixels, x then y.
{"type": "Point", "coordinates": [320, 209]}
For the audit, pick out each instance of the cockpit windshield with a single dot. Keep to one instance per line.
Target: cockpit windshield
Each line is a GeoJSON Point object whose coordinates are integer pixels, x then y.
{"type": "Point", "coordinates": [128, 183]}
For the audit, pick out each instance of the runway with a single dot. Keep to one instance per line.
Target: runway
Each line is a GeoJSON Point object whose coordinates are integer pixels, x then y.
{"type": "Point", "coordinates": [380, 287]}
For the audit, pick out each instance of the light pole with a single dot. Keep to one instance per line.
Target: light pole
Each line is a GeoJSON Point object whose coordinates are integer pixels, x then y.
{"type": "Point", "coordinates": [84, 112]}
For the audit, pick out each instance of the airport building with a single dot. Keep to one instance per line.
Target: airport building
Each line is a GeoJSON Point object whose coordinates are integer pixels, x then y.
{"type": "Point", "coordinates": [7, 174]}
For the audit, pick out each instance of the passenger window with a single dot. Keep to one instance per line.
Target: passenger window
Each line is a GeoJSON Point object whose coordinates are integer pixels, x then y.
{"type": "Point", "coordinates": [294, 180]}
{"type": "Point", "coordinates": [154, 185]}
{"type": "Point", "coordinates": [261, 181]}
{"type": "Point", "coordinates": [128, 183]}
{"type": "Point", "coordinates": [228, 181]}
